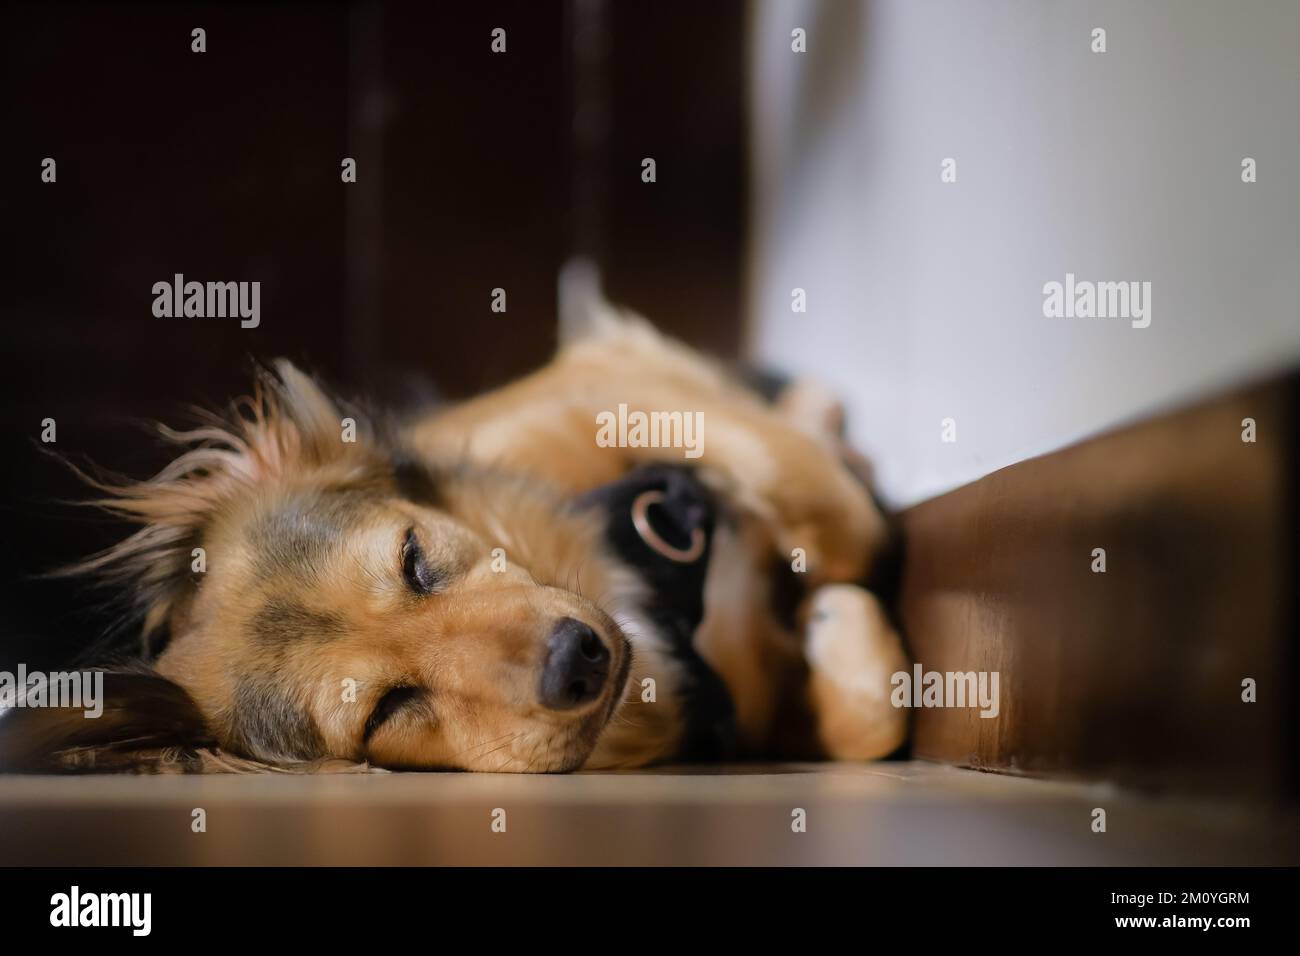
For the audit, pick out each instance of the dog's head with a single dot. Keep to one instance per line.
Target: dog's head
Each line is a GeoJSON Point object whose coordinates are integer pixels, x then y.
{"type": "Point", "coordinates": [319, 592]}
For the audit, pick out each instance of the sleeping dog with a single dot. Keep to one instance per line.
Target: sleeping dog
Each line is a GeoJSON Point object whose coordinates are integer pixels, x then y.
{"type": "Point", "coordinates": [496, 586]}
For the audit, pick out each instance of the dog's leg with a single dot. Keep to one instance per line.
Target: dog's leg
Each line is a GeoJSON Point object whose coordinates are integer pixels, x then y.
{"type": "Point", "coordinates": [850, 647]}
{"type": "Point", "coordinates": [852, 652]}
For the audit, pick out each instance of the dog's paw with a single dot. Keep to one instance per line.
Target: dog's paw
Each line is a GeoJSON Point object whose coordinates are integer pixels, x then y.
{"type": "Point", "coordinates": [852, 652]}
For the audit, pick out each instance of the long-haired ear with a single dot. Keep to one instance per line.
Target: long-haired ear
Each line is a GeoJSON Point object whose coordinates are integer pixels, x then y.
{"type": "Point", "coordinates": [135, 721]}
{"type": "Point", "coordinates": [287, 425]}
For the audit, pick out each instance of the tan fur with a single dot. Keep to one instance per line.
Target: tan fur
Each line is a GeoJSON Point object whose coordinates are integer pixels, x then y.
{"type": "Point", "coordinates": [251, 488]}
{"type": "Point", "coordinates": [543, 425]}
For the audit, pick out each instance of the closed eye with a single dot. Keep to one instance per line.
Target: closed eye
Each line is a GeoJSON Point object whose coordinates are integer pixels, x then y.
{"type": "Point", "coordinates": [419, 575]}
{"type": "Point", "coordinates": [395, 700]}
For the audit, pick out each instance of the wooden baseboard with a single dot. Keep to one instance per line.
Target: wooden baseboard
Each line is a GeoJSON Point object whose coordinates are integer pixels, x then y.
{"type": "Point", "coordinates": [1134, 674]}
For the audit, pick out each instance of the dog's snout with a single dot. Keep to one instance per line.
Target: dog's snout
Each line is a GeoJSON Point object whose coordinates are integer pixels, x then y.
{"type": "Point", "coordinates": [576, 668]}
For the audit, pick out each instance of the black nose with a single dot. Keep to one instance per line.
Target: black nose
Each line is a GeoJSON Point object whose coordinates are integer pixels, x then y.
{"type": "Point", "coordinates": [577, 665]}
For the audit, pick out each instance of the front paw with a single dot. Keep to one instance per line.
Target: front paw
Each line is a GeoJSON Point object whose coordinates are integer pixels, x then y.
{"type": "Point", "coordinates": [853, 652]}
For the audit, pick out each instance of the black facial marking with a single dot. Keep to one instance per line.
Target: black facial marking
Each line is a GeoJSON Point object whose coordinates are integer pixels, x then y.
{"type": "Point", "coordinates": [281, 622]}
{"type": "Point", "coordinates": [297, 538]}
{"type": "Point", "coordinates": [267, 724]}
{"type": "Point", "coordinates": [293, 541]}
{"type": "Point", "coordinates": [416, 481]}
{"type": "Point", "coordinates": [395, 700]}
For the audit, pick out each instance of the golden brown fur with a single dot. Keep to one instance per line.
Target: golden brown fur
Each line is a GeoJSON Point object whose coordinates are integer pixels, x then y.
{"type": "Point", "coordinates": [300, 630]}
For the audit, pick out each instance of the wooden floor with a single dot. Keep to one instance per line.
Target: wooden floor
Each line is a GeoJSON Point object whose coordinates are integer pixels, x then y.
{"type": "Point", "coordinates": [887, 813]}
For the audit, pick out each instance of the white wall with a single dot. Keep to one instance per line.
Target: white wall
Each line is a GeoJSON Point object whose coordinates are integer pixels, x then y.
{"type": "Point", "coordinates": [925, 299]}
